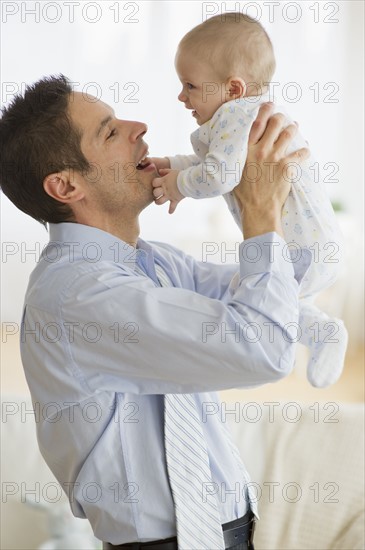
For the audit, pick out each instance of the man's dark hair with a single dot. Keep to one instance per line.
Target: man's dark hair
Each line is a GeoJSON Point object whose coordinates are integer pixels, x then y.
{"type": "Point", "coordinates": [37, 138]}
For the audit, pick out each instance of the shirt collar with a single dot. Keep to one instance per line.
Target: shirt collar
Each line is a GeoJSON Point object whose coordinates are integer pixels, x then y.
{"type": "Point", "coordinates": [93, 244]}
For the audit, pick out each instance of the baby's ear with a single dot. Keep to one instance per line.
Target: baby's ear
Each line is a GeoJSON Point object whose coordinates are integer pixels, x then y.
{"type": "Point", "coordinates": [236, 87]}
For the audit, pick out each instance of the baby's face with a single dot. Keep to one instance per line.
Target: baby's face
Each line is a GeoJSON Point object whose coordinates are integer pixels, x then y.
{"type": "Point", "coordinates": [203, 92]}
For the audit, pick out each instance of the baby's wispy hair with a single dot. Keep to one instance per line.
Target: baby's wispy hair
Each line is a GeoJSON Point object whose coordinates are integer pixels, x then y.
{"type": "Point", "coordinates": [233, 44]}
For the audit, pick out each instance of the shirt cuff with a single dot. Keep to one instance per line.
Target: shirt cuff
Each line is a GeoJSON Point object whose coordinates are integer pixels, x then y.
{"type": "Point", "coordinates": [270, 252]}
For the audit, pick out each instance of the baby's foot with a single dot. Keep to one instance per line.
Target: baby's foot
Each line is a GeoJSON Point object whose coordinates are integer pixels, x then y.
{"type": "Point", "coordinates": [327, 358]}
{"type": "Point", "coordinates": [327, 341]}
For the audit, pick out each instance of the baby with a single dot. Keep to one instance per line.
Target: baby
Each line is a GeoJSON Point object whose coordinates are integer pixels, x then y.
{"type": "Point", "coordinates": [225, 65]}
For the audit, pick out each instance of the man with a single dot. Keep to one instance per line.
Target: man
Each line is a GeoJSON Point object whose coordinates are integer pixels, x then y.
{"type": "Point", "coordinates": [117, 341]}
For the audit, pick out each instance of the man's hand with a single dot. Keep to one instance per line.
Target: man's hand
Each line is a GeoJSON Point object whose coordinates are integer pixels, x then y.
{"type": "Point", "coordinates": [165, 189]}
{"type": "Point", "coordinates": [266, 178]}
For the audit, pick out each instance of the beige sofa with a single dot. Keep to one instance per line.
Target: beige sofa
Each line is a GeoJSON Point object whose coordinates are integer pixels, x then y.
{"type": "Point", "coordinates": [306, 464]}
{"type": "Point", "coordinates": [308, 461]}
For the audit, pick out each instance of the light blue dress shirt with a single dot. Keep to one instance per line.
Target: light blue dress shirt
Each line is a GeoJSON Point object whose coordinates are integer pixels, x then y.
{"type": "Point", "coordinates": [102, 341]}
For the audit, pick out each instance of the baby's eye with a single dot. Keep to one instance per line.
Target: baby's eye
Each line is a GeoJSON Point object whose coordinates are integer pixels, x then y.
{"type": "Point", "coordinates": [190, 86]}
{"type": "Point", "coordinates": [112, 133]}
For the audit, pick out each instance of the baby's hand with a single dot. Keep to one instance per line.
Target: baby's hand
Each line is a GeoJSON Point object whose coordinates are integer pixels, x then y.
{"type": "Point", "coordinates": [165, 189]}
{"type": "Point", "coordinates": [160, 162]}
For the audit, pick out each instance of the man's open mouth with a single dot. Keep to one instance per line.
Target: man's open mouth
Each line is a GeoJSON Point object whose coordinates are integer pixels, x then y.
{"type": "Point", "coordinates": [143, 163]}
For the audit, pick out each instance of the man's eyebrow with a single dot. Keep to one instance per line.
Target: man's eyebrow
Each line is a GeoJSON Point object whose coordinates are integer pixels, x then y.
{"type": "Point", "coordinates": [102, 125]}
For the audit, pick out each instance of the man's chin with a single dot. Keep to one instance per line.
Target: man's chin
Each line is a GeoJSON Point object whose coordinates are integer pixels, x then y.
{"type": "Point", "coordinates": [145, 178]}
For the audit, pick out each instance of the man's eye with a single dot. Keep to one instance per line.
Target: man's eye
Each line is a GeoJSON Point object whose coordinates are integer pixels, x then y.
{"type": "Point", "coordinates": [112, 133]}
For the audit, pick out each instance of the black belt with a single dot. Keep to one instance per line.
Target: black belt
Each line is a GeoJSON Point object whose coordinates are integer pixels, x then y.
{"type": "Point", "coordinates": [235, 532]}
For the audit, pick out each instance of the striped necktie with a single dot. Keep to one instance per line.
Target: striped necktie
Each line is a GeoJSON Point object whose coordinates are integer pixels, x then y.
{"type": "Point", "coordinates": [198, 521]}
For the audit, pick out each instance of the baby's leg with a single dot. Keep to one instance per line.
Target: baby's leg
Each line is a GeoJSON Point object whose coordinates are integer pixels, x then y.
{"type": "Point", "coordinates": [309, 221]}
{"type": "Point", "coordinates": [326, 339]}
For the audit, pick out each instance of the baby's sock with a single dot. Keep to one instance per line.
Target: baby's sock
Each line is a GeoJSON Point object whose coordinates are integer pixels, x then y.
{"type": "Point", "coordinates": [327, 340]}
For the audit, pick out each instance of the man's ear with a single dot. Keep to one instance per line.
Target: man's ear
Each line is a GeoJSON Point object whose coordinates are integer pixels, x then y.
{"type": "Point", "coordinates": [63, 187]}
{"type": "Point", "coordinates": [236, 87]}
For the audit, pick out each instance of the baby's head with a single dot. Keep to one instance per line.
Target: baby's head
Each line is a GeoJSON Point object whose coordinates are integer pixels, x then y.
{"type": "Point", "coordinates": [227, 57]}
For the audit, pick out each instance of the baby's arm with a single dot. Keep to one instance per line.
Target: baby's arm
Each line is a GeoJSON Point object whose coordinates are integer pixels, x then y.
{"type": "Point", "coordinates": [178, 162]}
{"type": "Point", "coordinates": [223, 164]}
{"type": "Point", "coordinates": [181, 162]}
{"type": "Point", "coordinates": [221, 170]}
{"type": "Point", "coordinates": [160, 162]}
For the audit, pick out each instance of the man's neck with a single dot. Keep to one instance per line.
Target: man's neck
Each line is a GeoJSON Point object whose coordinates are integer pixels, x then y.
{"type": "Point", "coordinates": [125, 230]}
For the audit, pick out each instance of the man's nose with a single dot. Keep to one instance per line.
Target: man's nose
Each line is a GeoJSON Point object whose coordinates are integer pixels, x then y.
{"type": "Point", "coordinates": [136, 130]}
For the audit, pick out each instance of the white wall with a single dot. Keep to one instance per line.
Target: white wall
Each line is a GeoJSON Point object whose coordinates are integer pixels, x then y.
{"type": "Point", "coordinates": [112, 53]}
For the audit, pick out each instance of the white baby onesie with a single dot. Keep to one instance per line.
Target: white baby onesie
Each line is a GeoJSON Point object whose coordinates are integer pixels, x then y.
{"type": "Point", "coordinates": [220, 147]}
